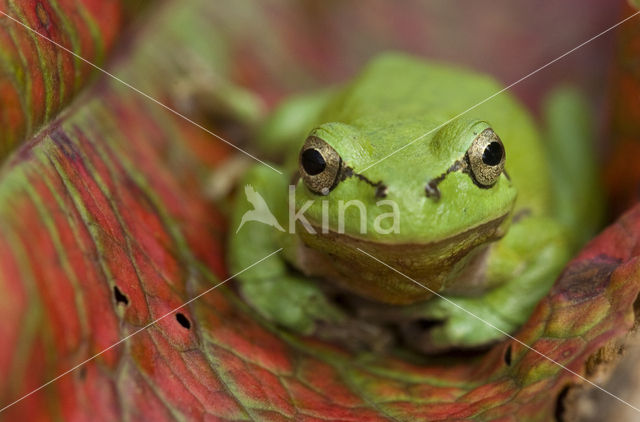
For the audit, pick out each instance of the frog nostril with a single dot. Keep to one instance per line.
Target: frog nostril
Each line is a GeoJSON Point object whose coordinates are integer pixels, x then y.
{"type": "Point", "coordinates": [431, 190]}
{"type": "Point", "coordinates": [381, 191]}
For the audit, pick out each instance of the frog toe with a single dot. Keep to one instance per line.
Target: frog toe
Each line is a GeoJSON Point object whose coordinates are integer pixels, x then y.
{"type": "Point", "coordinates": [448, 325]}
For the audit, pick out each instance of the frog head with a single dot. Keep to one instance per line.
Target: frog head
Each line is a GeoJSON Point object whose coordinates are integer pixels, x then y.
{"type": "Point", "coordinates": [384, 176]}
{"type": "Point", "coordinates": [432, 213]}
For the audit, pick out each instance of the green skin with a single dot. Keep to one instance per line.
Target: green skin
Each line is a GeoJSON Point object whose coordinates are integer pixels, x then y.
{"type": "Point", "coordinates": [493, 251]}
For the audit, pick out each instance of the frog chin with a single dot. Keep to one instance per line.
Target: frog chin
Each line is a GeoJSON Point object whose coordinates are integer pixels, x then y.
{"type": "Point", "coordinates": [453, 265]}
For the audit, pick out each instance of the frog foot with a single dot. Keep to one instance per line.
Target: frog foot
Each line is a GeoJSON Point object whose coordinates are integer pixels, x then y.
{"type": "Point", "coordinates": [444, 324]}
{"type": "Point", "coordinates": [291, 302]}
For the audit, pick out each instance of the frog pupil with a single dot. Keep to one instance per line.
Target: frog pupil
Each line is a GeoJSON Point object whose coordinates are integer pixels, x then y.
{"type": "Point", "coordinates": [492, 154]}
{"type": "Point", "coordinates": [313, 162]}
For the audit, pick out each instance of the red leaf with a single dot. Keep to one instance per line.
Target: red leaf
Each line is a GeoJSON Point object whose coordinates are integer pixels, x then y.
{"type": "Point", "coordinates": [42, 78]}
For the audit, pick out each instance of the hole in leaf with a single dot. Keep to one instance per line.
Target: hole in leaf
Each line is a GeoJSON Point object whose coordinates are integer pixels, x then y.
{"type": "Point", "coordinates": [183, 320]}
{"type": "Point", "coordinates": [636, 311]}
{"type": "Point", "coordinates": [342, 300]}
{"type": "Point", "coordinates": [119, 296]}
{"type": "Point", "coordinates": [425, 324]}
{"type": "Point", "coordinates": [507, 356]}
{"type": "Point", "coordinates": [561, 404]}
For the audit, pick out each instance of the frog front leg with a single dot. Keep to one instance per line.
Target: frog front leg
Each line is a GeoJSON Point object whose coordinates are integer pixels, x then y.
{"type": "Point", "coordinates": [272, 288]}
{"type": "Point", "coordinates": [524, 264]}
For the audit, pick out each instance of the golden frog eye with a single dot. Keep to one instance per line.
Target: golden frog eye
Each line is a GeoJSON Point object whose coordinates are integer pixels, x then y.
{"type": "Point", "coordinates": [486, 158]}
{"type": "Point", "coordinates": [319, 165]}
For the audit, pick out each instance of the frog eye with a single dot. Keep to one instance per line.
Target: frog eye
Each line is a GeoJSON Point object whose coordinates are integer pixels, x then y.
{"type": "Point", "coordinates": [319, 165]}
{"type": "Point", "coordinates": [486, 158]}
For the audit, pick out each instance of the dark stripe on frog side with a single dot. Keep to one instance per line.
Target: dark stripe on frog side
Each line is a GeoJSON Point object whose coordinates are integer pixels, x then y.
{"type": "Point", "coordinates": [432, 186]}
{"type": "Point", "coordinates": [344, 173]}
{"type": "Point", "coordinates": [431, 189]}
{"type": "Point", "coordinates": [381, 188]}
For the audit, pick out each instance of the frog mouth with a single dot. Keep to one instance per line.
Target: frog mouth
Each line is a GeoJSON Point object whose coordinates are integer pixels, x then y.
{"type": "Point", "coordinates": [458, 260]}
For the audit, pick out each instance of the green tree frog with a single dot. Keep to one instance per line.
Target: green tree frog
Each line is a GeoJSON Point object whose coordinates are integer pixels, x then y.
{"type": "Point", "coordinates": [469, 206]}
